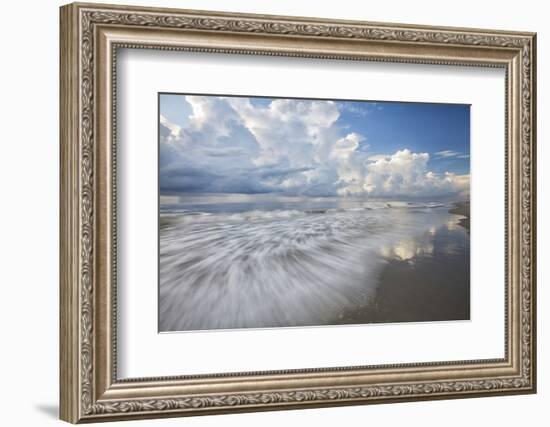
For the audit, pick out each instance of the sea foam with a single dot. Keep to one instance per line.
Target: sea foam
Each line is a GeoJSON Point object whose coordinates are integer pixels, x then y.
{"type": "Point", "coordinates": [282, 267]}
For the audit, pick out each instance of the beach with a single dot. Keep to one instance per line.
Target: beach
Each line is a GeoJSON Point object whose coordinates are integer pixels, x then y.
{"type": "Point", "coordinates": [256, 262]}
{"type": "Point", "coordinates": [426, 288]}
{"type": "Point", "coordinates": [462, 209]}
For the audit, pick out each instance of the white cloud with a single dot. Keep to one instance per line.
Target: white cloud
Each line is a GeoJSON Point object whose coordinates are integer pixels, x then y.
{"type": "Point", "coordinates": [352, 108]}
{"type": "Point", "coordinates": [171, 130]}
{"type": "Point", "coordinates": [406, 174]}
{"type": "Point", "coordinates": [446, 153]}
{"type": "Point", "coordinates": [376, 157]}
{"type": "Point", "coordinates": [291, 146]}
{"type": "Point", "coordinates": [450, 154]}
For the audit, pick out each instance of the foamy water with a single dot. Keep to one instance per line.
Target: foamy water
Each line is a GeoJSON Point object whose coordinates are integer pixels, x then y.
{"type": "Point", "coordinates": [289, 263]}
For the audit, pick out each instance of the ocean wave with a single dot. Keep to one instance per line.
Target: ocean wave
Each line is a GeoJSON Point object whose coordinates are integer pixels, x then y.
{"type": "Point", "coordinates": [187, 215]}
{"type": "Point", "coordinates": [281, 267]}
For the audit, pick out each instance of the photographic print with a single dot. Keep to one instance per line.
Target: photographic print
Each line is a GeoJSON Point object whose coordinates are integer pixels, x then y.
{"type": "Point", "coordinates": [287, 212]}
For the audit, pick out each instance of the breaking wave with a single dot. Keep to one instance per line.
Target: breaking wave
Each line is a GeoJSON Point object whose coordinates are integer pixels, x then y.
{"type": "Point", "coordinates": [281, 267]}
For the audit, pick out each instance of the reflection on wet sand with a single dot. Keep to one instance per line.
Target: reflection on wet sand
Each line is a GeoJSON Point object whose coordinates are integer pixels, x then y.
{"type": "Point", "coordinates": [425, 279]}
{"type": "Point", "coordinates": [422, 245]}
{"type": "Point", "coordinates": [407, 250]}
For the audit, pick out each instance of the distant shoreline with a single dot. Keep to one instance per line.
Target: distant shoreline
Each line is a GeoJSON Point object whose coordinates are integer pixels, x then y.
{"type": "Point", "coordinates": [462, 208]}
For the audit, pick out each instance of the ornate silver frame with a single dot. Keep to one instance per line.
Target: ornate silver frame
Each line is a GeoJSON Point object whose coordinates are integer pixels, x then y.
{"type": "Point", "coordinates": [90, 36]}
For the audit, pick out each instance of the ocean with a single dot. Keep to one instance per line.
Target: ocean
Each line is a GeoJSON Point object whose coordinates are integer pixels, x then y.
{"type": "Point", "coordinates": [263, 261]}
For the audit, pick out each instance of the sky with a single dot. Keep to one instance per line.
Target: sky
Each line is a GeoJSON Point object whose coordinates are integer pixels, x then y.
{"type": "Point", "coordinates": [312, 147]}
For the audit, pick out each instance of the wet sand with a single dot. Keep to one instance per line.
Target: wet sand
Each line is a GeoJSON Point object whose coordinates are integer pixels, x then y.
{"type": "Point", "coordinates": [462, 208]}
{"type": "Point", "coordinates": [428, 290]}
{"type": "Point", "coordinates": [424, 288]}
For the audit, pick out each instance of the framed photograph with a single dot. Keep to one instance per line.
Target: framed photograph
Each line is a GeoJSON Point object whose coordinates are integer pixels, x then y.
{"type": "Point", "coordinates": [266, 212]}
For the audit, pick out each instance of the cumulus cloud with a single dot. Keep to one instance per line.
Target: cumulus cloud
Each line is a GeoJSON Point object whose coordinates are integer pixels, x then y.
{"type": "Point", "coordinates": [376, 157]}
{"type": "Point", "coordinates": [406, 174]}
{"type": "Point", "coordinates": [296, 147]}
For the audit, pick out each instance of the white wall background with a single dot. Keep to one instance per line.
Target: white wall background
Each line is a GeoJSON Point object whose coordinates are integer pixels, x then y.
{"type": "Point", "coordinates": [29, 170]}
